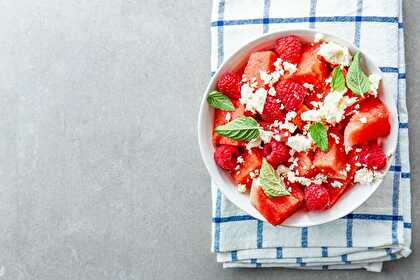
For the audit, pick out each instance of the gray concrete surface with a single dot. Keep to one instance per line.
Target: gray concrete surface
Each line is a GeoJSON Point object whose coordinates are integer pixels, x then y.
{"type": "Point", "coordinates": [101, 176]}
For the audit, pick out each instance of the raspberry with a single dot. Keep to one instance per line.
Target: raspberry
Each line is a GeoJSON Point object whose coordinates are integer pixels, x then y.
{"type": "Point", "coordinates": [291, 94]}
{"type": "Point", "coordinates": [276, 153]}
{"type": "Point", "coordinates": [226, 156]}
{"type": "Point", "coordinates": [272, 110]}
{"type": "Point", "coordinates": [316, 197]}
{"type": "Point", "coordinates": [230, 85]}
{"type": "Point", "coordinates": [289, 48]}
{"type": "Point", "coordinates": [373, 156]}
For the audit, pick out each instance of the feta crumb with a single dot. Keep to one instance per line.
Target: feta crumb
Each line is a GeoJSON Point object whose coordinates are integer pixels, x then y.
{"type": "Point", "coordinates": [299, 143]}
{"type": "Point", "coordinates": [289, 189]}
{"type": "Point", "coordinates": [277, 137]}
{"type": "Point", "coordinates": [272, 91]}
{"type": "Point", "coordinates": [252, 174]}
{"type": "Point", "coordinates": [277, 64]}
{"type": "Point", "coordinates": [241, 188]}
{"type": "Point", "coordinates": [335, 54]}
{"type": "Point", "coordinates": [319, 96]}
{"type": "Point", "coordinates": [363, 120]}
{"type": "Point", "coordinates": [255, 143]}
{"type": "Point", "coordinates": [228, 117]}
{"type": "Point", "coordinates": [328, 80]}
{"type": "Point", "coordinates": [253, 102]}
{"type": "Point", "coordinates": [364, 176]}
{"type": "Point", "coordinates": [282, 170]}
{"type": "Point", "coordinates": [358, 150]}
{"type": "Point", "coordinates": [336, 184]}
{"type": "Point", "coordinates": [336, 138]}
{"type": "Point", "coordinates": [281, 106]}
{"type": "Point", "coordinates": [266, 136]}
{"type": "Point", "coordinates": [265, 77]}
{"type": "Point", "coordinates": [318, 37]}
{"type": "Point", "coordinates": [358, 164]}
{"type": "Point", "coordinates": [290, 67]}
{"type": "Point", "coordinates": [309, 86]}
{"type": "Point", "coordinates": [374, 83]}
{"type": "Point", "coordinates": [240, 160]}
{"type": "Point", "coordinates": [291, 115]}
{"type": "Point", "coordinates": [348, 167]}
{"type": "Point", "coordinates": [332, 110]}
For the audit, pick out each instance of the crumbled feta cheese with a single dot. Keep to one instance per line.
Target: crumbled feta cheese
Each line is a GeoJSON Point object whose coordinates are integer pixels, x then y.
{"type": "Point", "coordinates": [331, 110]}
{"type": "Point", "coordinates": [272, 91]}
{"type": "Point", "coordinates": [252, 174]}
{"type": "Point", "coordinates": [358, 164]}
{"type": "Point", "coordinates": [336, 138]}
{"type": "Point", "coordinates": [295, 179]}
{"type": "Point", "coordinates": [364, 176]}
{"type": "Point", "coordinates": [266, 136]}
{"type": "Point", "coordinates": [253, 101]}
{"type": "Point", "coordinates": [253, 144]}
{"type": "Point", "coordinates": [374, 83]}
{"type": "Point", "coordinates": [265, 77]}
{"type": "Point", "coordinates": [335, 54]}
{"type": "Point", "coordinates": [277, 64]}
{"type": "Point", "coordinates": [282, 170]}
{"type": "Point", "coordinates": [277, 137]}
{"type": "Point", "coordinates": [281, 106]}
{"type": "Point", "coordinates": [309, 86]}
{"type": "Point", "coordinates": [311, 116]}
{"type": "Point", "coordinates": [328, 80]}
{"type": "Point", "coordinates": [363, 120]}
{"type": "Point", "coordinates": [358, 150]}
{"type": "Point", "coordinates": [228, 117]}
{"type": "Point", "coordinates": [299, 143]}
{"type": "Point", "coordinates": [318, 37]}
{"type": "Point", "coordinates": [290, 115]}
{"type": "Point", "coordinates": [319, 96]}
{"type": "Point", "coordinates": [290, 67]}
{"type": "Point", "coordinates": [240, 160]}
{"type": "Point", "coordinates": [319, 179]}
{"type": "Point", "coordinates": [343, 172]}
{"type": "Point", "coordinates": [241, 188]}
{"type": "Point", "coordinates": [348, 167]}
{"type": "Point", "coordinates": [336, 184]}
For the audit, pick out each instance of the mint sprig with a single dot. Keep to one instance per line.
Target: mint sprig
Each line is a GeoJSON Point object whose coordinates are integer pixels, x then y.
{"type": "Point", "coordinates": [338, 82]}
{"type": "Point", "coordinates": [242, 128]}
{"type": "Point", "coordinates": [272, 184]}
{"type": "Point", "coordinates": [220, 101]}
{"type": "Point", "coordinates": [356, 79]}
{"type": "Point", "coordinates": [318, 133]}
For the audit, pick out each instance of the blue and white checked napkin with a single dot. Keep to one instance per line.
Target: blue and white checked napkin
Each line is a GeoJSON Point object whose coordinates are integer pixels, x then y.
{"type": "Point", "coordinates": [378, 231]}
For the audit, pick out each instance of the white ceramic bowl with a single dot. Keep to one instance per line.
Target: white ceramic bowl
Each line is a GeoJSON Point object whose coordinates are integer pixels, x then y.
{"type": "Point", "coordinates": [352, 198]}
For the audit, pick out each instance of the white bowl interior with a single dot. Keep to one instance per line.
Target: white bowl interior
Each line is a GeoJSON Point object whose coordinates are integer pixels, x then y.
{"type": "Point", "coordinates": [352, 198]}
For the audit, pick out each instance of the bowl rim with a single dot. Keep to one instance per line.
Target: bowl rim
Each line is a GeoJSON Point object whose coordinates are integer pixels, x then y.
{"type": "Point", "coordinates": [204, 149]}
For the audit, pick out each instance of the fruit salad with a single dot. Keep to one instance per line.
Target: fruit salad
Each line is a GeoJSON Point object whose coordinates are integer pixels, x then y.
{"type": "Point", "coordinates": [299, 125]}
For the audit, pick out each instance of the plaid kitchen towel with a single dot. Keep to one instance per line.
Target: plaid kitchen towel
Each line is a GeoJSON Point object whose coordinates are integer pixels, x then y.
{"type": "Point", "coordinates": [378, 231]}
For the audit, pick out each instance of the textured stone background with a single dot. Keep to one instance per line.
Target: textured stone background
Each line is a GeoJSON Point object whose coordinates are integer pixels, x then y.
{"type": "Point", "coordinates": [101, 176]}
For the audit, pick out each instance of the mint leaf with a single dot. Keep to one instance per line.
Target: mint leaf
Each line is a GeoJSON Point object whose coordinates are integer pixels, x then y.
{"type": "Point", "coordinates": [242, 128]}
{"type": "Point", "coordinates": [318, 133]}
{"type": "Point", "coordinates": [272, 185]}
{"type": "Point", "coordinates": [220, 101]}
{"type": "Point", "coordinates": [356, 79]}
{"type": "Point", "coordinates": [338, 82]}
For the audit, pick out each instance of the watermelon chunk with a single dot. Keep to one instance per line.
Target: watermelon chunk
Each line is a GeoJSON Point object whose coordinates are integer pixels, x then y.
{"type": "Point", "coordinates": [277, 209]}
{"type": "Point", "coordinates": [220, 119]}
{"type": "Point", "coordinates": [259, 61]}
{"type": "Point", "coordinates": [331, 162]}
{"type": "Point", "coordinates": [252, 161]}
{"type": "Point", "coordinates": [311, 69]}
{"type": "Point", "coordinates": [371, 123]}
